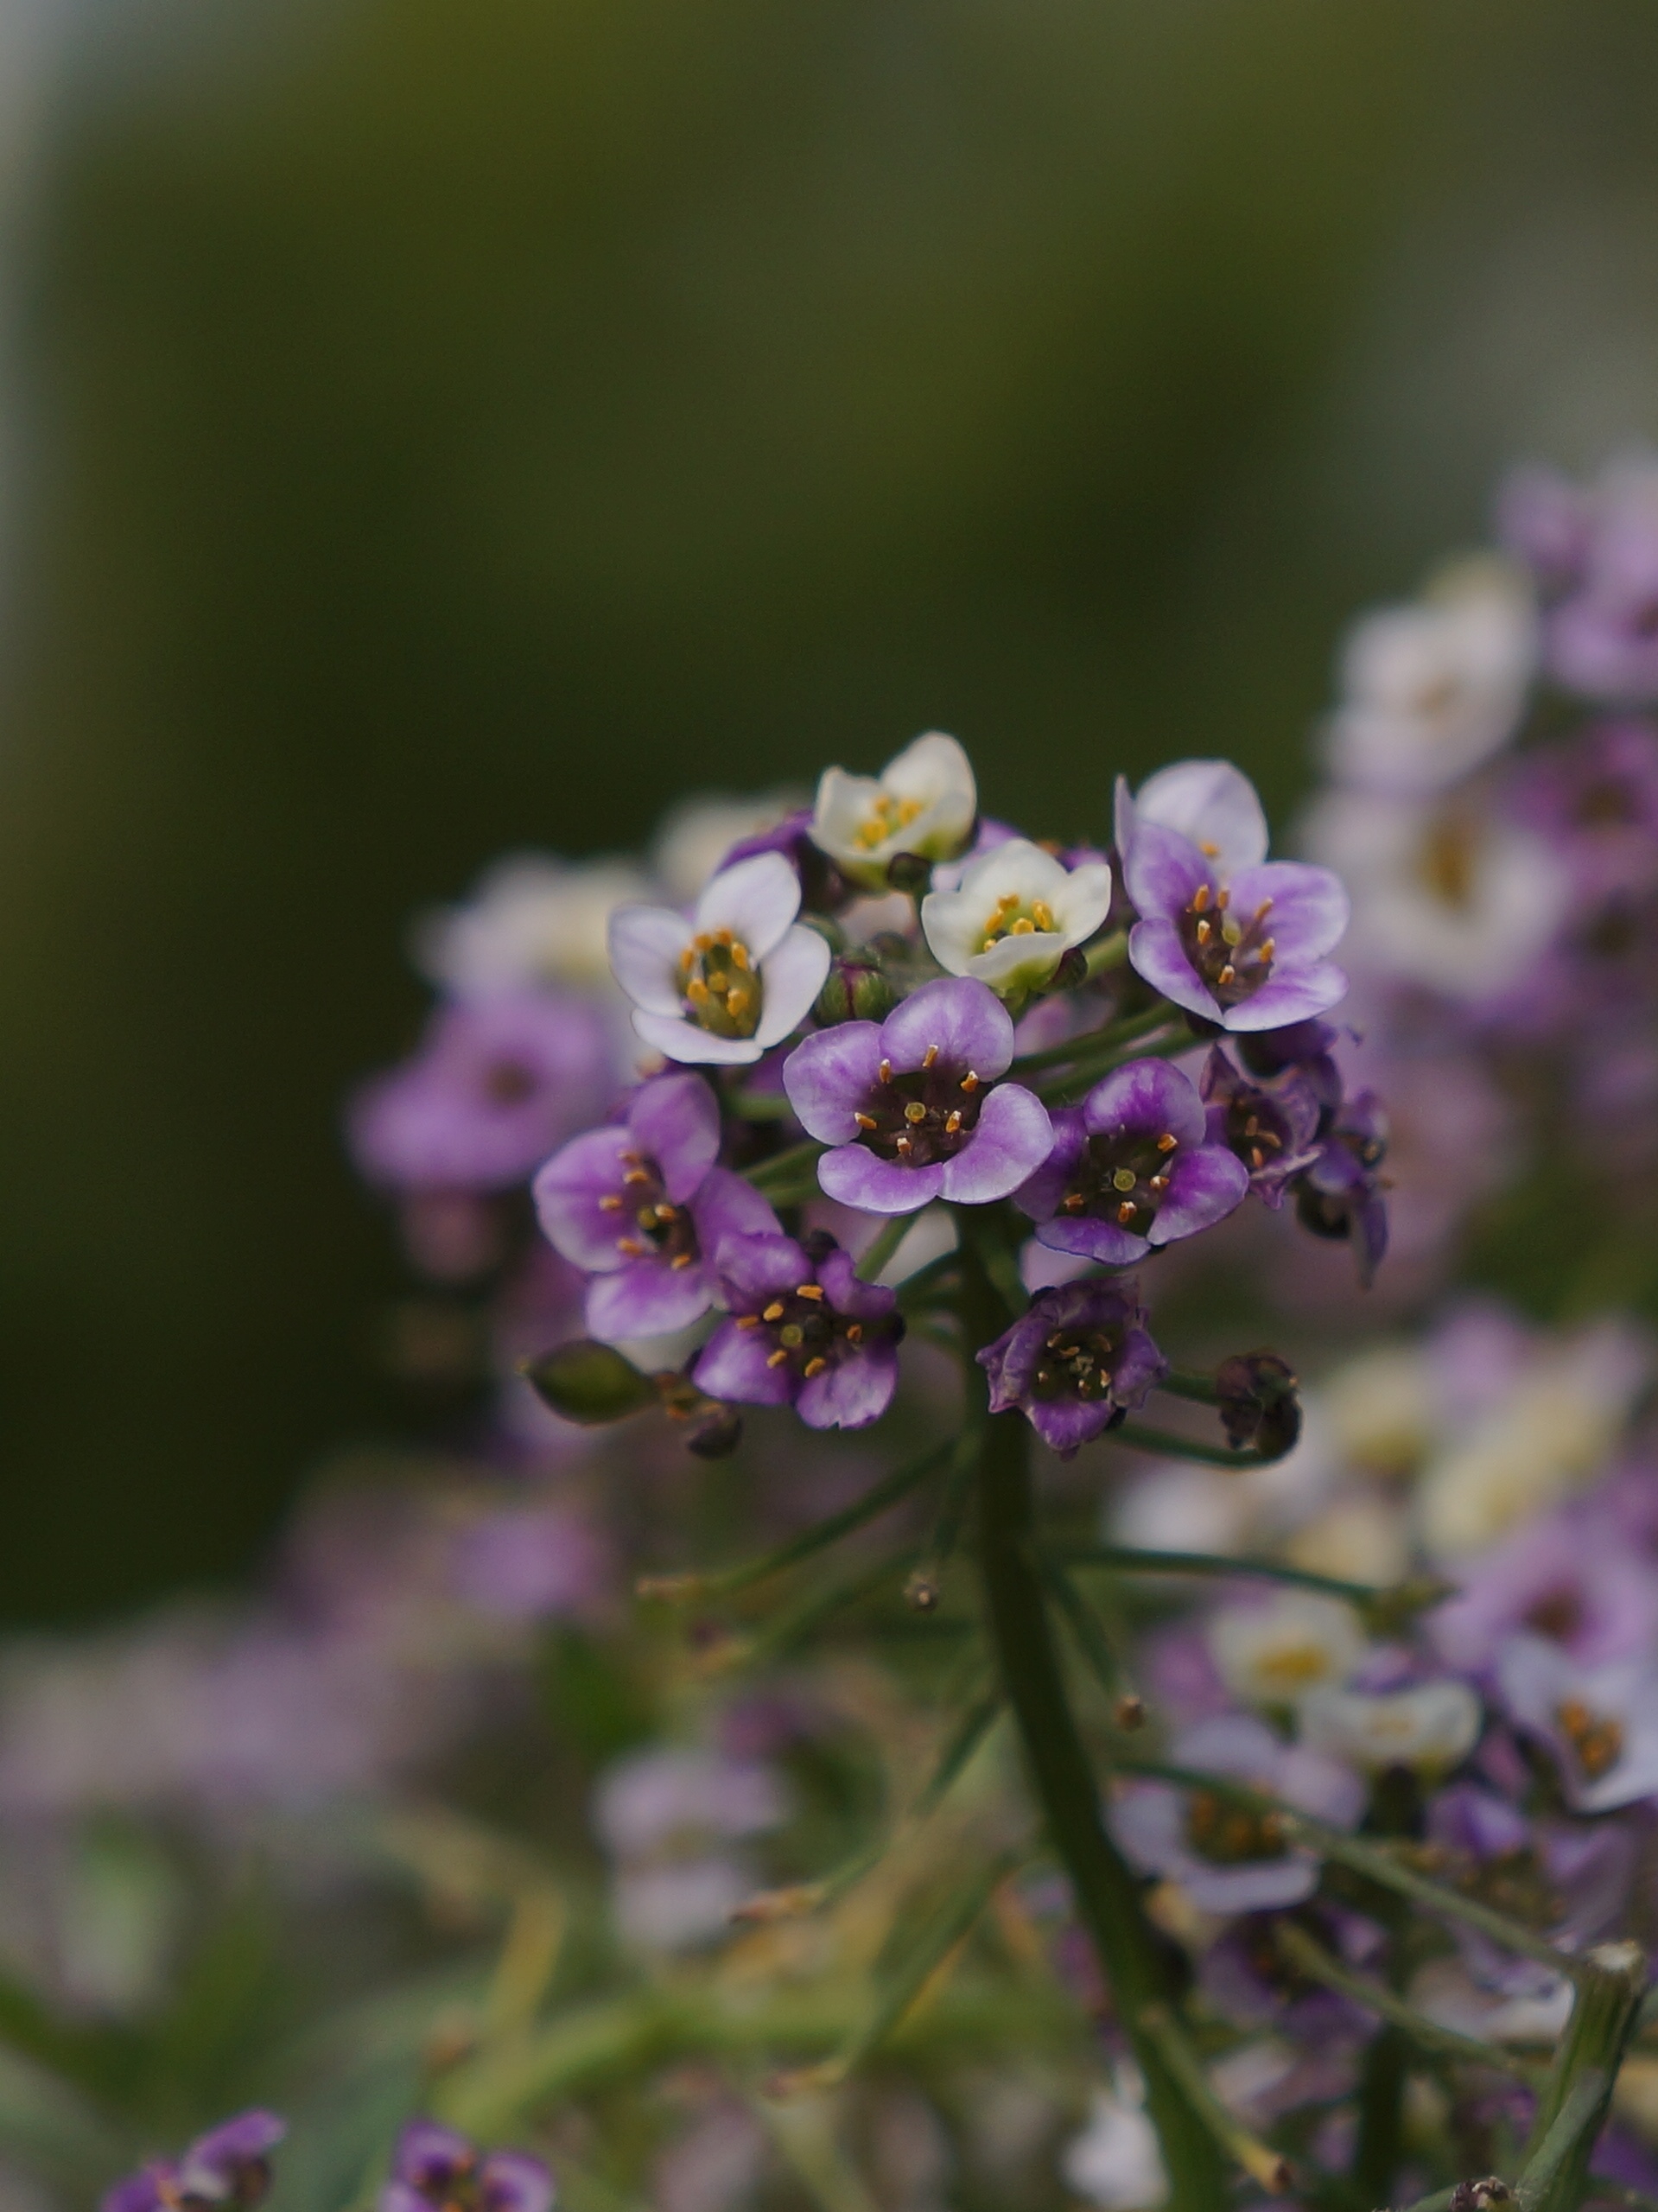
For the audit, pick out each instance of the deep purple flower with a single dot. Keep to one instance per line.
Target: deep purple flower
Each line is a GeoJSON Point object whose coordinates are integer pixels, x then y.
{"type": "Point", "coordinates": [1227, 1859]}
{"type": "Point", "coordinates": [1076, 1362]}
{"type": "Point", "coordinates": [1132, 1167]}
{"type": "Point", "coordinates": [1271, 1128]}
{"type": "Point", "coordinates": [1601, 1723]}
{"type": "Point", "coordinates": [803, 1332]}
{"type": "Point", "coordinates": [228, 2166]}
{"type": "Point", "coordinates": [913, 1108]}
{"type": "Point", "coordinates": [1570, 1576]}
{"type": "Point", "coordinates": [1340, 1193]}
{"type": "Point", "coordinates": [497, 1083]}
{"type": "Point", "coordinates": [641, 1205]}
{"type": "Point", "coordinates": [1223, 932]}
{"type": "Point", "coordinates": [436, 2169]}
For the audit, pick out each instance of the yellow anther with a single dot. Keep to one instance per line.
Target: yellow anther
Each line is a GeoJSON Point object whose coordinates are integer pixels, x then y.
{"type": "Point", "coordinates": [809, 1290]}
{"type": "Point", "coordinates": [1075, 1202]}
{"type": "Point", "coordinates": [970, 1082]}
{"type": "Point", "coordinates": [748, 1320]}
{"type": "Point", "coordinates": [702, 941]}
{"type": "Point", "coordinates": [915, 1111]}
{"type": "Point", "coordinates": [1223, 900]}
{"type": "Point", "coordinates": [1200, 898]}
{"type": "Point", "coordinates": [722, 936]}
{"type": "Point", "coordinates": [1263, 910]}
{"type": "Point", "coordinates": [697, 991]}
{"type": "Point", "coordinates": [610, 1204]}
{"type": "Point", "coordinates": [866, 1120]}
{"type": "Point", "coordinates": [1023, 927]}
{"type": "Point", "coordinates": [815, 1366]}
{"type": "Point", "coordinates": [680, 1260]}
{"type": "Point", "coordinates": [904, 1145]}
{"type": "Point", "coordinates": [740, 954]}
{"type": "Point", "coordinates": [667, 1213]}
{"type": "Point", "coordinates": [886, 1070]}
{"type": "Point", "coordinates": [1042, 914]}
{"type": "Point", "coordinates": [630, 1247]}
{"type": "Point", "coordinates": [952, 1122]}
{"type": "Point", "coordinates": [930, 1056]}
{"type": "Point", "coordinates": [737, 1001]}
{"type": "Point", "coordinates": [1209, 852]}
{"type": "Point", "coordinates": [1228, 974]}
{"type": "Point", "coordinates": [854, 1332]}
{"type": "Point", "coordinates": [636, 1175]}
{"type": "Point", "coordinates": [1267, 947]}
{"type": "Point", "coordinates": [1167, 1141]}
{"type": "Point", "coordinates": [718, 981]}
{"type": "Point", "coordinates": [1203, 932]}
{"type": "Point", "coordinates": [1127, 1211]}
{"type": "Point", "coordinates": [776, 1358]}
{"type": "Point", "coordinates": [1160, 1184]}
{"type": "Point", "coordinates": [773, 1312]}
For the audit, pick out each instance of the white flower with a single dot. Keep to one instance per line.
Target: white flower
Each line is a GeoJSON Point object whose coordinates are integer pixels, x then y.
{"type": "Point", "coordinates": [1444, 1990]}
{"type": "Point", "coordinates": [1443, 894]}
{"type": "Point", "coordinates": [1430, 1728]}
{"type": "Point", "coordinates": [1547, 1434]}
{"type": "Point", "coordinates": [732, 983]}
{"type": "Point", "coordinates": [1277, 1652]}
{"type": "Point", "coordinates": [1210, 802]}
{"type": "Point", "coordinates": [1115, 2162]}
{"type": "Point", "coordinates": [922, 802]}
{"type": "Point", "coordinates": [1381, 1408]}
{"type": "Point", "coordinates": [1430, 691]}
{"type": "Point", "coordinates": [532, 921]}
{"type": "Point", "coordinates": [1018, 912]}
{"type": "Point", "coordinates": [696, 836]}
{"type": "Point", "coordinates": [1358, 1538]}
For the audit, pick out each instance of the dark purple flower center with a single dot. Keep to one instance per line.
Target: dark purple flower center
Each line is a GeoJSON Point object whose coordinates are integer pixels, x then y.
{"type": "Point", "coordinates": [509, 1083]}
{"type": "Point", "coordinates": [1078, 1362]}
{"type": "Point", "coordinates": [1122, 1177]}
{"type": "Point", "coordinates": [920, 1116]}
{"type": "Point", "coordinates": [1256, 1129]}
{"type": "Point", "coordinates": [807, 1335]}
{"type": "Point", "coordinates": [1232, 1835]}
{"type": "Point", "coordinates": [1558, 1613]}
{"type": "Point", "coordinates": [649, 1225]}
{"type": "Point", "coordinates": [1233, 958]}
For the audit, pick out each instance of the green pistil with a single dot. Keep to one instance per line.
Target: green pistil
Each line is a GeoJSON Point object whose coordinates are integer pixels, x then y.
{"type": "Point", "coordinates": [723, 994]}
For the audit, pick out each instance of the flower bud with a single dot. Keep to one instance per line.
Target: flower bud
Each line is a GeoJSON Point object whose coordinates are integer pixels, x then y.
{"type": "Point", "coordinates": [910, 873]}
{"type": "Point", "coordinates": [1256, 1396]}
{"type": "Point", "coordinates": [715, 1433]}
{"type": "Point", "coordinates": [590, 1382]}
{"type": "Point", "coordinates": [854, 990]}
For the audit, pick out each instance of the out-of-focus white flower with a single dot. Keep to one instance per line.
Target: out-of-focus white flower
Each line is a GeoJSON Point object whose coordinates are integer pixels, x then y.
{"type": "Point", "coordinates": [1445, 1992]}
{"type": "Point", "coordinates": [1017, 913]}
{"type": "Point", "coordinates": [1115, 2162]}
{"type": "Point", "coordinates": [1429, 1728]}
{"type": "Point", "coordinates": [681, 1905]}
{"type": "Point", "coordinates": [1550, 1431]}
{"type": "Point", "coordinates": [1174, 1506]}
{"type": "Point", "coordinates": [1381, 1410]}
{"type": "Point", "coordinates": [1431, 690]}
{"type": "Point", "coordinates": [694, 837]}
{"type": "Point", "coordinates": [532, 921]}
{"type": "Point", "coordinates": [1443, 894]}
{"type": "Point", "coordinates": [922, 802]}
{"type": "Point", "coordinates": [1358, 1538]}
{"type": "Point", "coordinates": [1277, 1652]}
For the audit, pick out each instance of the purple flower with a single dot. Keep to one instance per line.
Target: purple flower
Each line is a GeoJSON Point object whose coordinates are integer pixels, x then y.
{"type": "Point", "coordinates": [1227, 1859]}
{"type": "Point", "coordinates": [497, 1083]}
{"type": "Point", "coordinates": [1600, 1722]}
{"type": "Point", "coordinates": [1340, 1194]}
{"type": "Point", "coordinates": [1132, 1167]}
{"type": "Point", "coordinates": [641, 1205]}
{"type": "Point", "coordinates": [1595, 799]}
{"type": "Point", "coordinates": [1250, 1981]}
{"type": "Point", "coordinates": [229, 2165]}
{"type": "Point", "coordinates": [1570, 1576]}
{"type": "Point", "coordinates": [1602, 639]}
{"type": "Point", "coordinates": [803, 1332]}
{"type": "Point", "coordinates": [1076, 1362]}
{"type": "Point", "coordinates": [435, 2169]}
{"type": "Point", "coordinates": [1271, 1128]}
{"type": "Point", "coordinates": [531, 1563]}
{"type": "Point", "coordinates": [1210, 803]}
{"type": "Point", "coordinates": [913, 1108]}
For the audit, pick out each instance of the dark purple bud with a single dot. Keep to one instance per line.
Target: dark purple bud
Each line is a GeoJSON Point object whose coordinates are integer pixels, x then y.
{"type": "Point", "coordinates": [590, 1382]}
{"type": "Point", "coordinates": [1340, 1194]}
{"type": "Point", "coordinates": [910, 873]}
{"type": "Point", "coordinates": [1258, 1401]}
{"type": "Point", "coordinates": [716, 1432]}
{"type": "Point", "coordinates": [1481, 2196]}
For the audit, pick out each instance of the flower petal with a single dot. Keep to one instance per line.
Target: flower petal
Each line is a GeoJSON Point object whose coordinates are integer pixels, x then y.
{"type": "Point", "coordinates": [727, 1205]}
{"type": "Point", "coordinates": [1212, 804]}
{"type": "Point", "coordinates": [647, 1298]}
{"type": "Point", "coordinates": [852, 1392]}
{"type": "Point", "coordinates": [567, 1192]}
{"type": "Point", "coordinates": [1013, 1138]}
{"type": "Point", "coordinates": [1162, 872]}
{"type": "Point", "coordinates": [646, 943]}
{"type": "Point", "coordinates": [1205, 1185]}
{"type": "Point", "coordinates": [675, 1122]}
{"type": "Point", "coordinates": [965, 1020]}
{"type": "Point", "coordinates": [1088, 1239]}
{"type": "Point", "coordinates": [733, 1365]}
{"type": "Point", "coordinates": [1291, 994]}
{"type": "Point", "coordinates": [1156, 954]}
{"type": "Point", "coordinates": [794, 975]}
{"type": "Point", "coordinates": [857, 1177]}
{"type": "Point", "coordinates": [829, 1076]}
{"type": "Point", "coordinates": [1019, 964]}
{"type": "Point", "coordinates": [756, 900]}
{"type": "Point", "coordinates": [1310, 908]}
{"type": "Point", "coordinates": [752, 1268]}
{"type": "Point", "coordinates": [1149, 1097]}
{"type": "Point", "coordinates": [682, 1039]}
{"type": "Point", "coordinates": [1038, 1199]}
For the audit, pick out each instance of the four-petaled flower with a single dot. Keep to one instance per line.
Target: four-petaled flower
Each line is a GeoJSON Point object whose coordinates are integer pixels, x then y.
{"type": "Point", "coordinates": [733, 982]}
{"type": "Point", "coordinates": [1271, 1127]}
{"type": "Point", "coordinates": [1225, 933]}
{"type": "Point", "coordinates": [924, 802]}
{"type": "Point", "coordinates": [436, 2169]}
{"type": "Point", "coordinates": [1132, 1167]}
{"type": "Point", "coordinates": [1075, 1362]}
{"type": "Point", "coordinates": [913, 1107]}
{"type": "Point", "coordinates": [229, 2166]}
{"type": "Point", "coordinates": [1018, 912]}
{"type": "Point", "coordinates": [641, 1205]}
{"type": "Point", "coordinates": [803, 1331]}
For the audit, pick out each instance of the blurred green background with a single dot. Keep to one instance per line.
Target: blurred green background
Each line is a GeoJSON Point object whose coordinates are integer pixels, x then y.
{"type": "Point", "coordinates": [440, 429]}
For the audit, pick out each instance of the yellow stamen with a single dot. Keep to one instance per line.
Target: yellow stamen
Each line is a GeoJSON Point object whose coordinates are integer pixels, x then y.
{"type": "Point", "coordinates": [1042, 914]}
{"type": "Point", "coordinates": [866, 1120]}
{"type": "Point", "coordinates": [774, 1311]}
{"type": "Point", "coordinates": [815, 1367]}
{"type": "Point", "coordinates": [930, 1056]}
{"type": "Point", "coordinates": [970, 1082]}
{"type": "Point", "coordinates": [810, 1290]}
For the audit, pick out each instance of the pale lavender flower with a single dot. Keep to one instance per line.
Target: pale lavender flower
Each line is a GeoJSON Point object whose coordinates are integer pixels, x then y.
{"type": "Point", "coordinates": [804, 1331]}
{"type": "Point", "coordinates": [1210, 803]}
{"type": "Point", "coordinates": [436, 2169]}
{"type": "Point", "coordinates": [1250, 1981]}
{"type": "Point", "coordinates": [229, 2166]}
{"type": "Point", "coordinates": [1076, 1362]}
{"type": "Point", "coordinates": [1595, 799]}
{"type": "Point", "coordinates": [914, 1108]}
{"type": "Point", "coordinates": [727, 985]}
{"type": "Point", "coordinates": [1601, 639]}
{"type": "Point", "coordinates": [1228, 1860]}
{"type": "Point", "coordinates": [1600, 1722]}
{"type": "Point", "coordinates": [641, 1207]}
{"type": "Point", "coordinates": [669, 1819]}
{"type": "Point", "coordinates": [533, 1562]}
{"type": "Point", "coordinates": [497, 1083]}
{"type": "Point", "coordinates": [1570, 1577]}
{"type": "Point", "coordinates": [1133, 1167]}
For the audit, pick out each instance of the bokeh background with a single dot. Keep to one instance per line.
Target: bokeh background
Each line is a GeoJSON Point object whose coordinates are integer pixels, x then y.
{"type": "Point", "coordinates": [433, 429]}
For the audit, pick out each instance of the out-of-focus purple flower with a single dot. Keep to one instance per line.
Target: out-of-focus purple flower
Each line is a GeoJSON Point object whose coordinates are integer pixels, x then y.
{"type": "Point", "coordinates": [1544, 520]}
{"type": "Point", "coordinates": [1304, 1049]}
{"type": "Point", "coordinates": [1250, 1980]}
{"type": "Point", "coordinates": [1271, 1128]}
{"type": "Point", "coordinates": [1340, 1194]}
{"type": "Point", "coordinates": [729, 984]}
{"type": "Point", "coordinates": [436, 2169]}
{"type": "Point", "coordinates": [803, 1331]}
{"type": "Point", "coordinates": [641, 1205]}
{"type": "Point", "coordinates": [228, 2166]}
{"type": "Point", "coordinates": [1132, 1167]}
{"type": "Point", "coordinates": [497, 1083]}
{"type": "Point", "coordinates": [1227, 1859]}
{"type": "Point", "coordinates": [913, 1108]}
{"type": "Point", "coordinates": [1226, 934]}
{"type": "Point", "coordinates": [1569, 1576]}
{"type": "Point", "coordinates": [531, 1563]}
{"type": "Point", "coordinates": [668, 1819]}
{"type": "Point", "coordinates": [1600, 1722]}
{"type": "Point", "coordinates": [1076, 1362]}
{"type": "Point", "coordinates": [1595, 798]}
{"type": "Point", "coordinates": [1601, 639]}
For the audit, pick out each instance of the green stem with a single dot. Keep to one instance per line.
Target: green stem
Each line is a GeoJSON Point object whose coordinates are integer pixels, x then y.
{"type": "Point", "coordinates": [779, 1175]}
{"type": "Point", "coordinates": [1107, 1897]}
{"type": "Point", "coordinates": [1168, 1446]}
{"type": "Point", "coordinates": [882, 1246]}
{"type": "Point", "coordinates": [1056, 1088]}
{"type": "Point", "coordinates": [1182, 1382]}
{"type": "Point", "coordinates": [1579, 2085]}
{"type": "Point", "coordinates": [1094, 1041]}
{"type": "Point", "coordinates": [1306, 1953]}
{"type": "Point", "coordinates": [1267, 2167]}
{"type": "Point", "coordinates": [915, 1289]}
{"type": "Point", "coordinates": [1386, 1606]}
{"type": "Point", "coordinates": [927, 1584]}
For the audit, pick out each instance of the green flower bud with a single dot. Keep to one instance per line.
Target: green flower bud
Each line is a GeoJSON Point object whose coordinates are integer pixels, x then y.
{"type": "Point", "coordinates": [590, 1382]}
{"type": "Point", "coordinates": [854, 990]}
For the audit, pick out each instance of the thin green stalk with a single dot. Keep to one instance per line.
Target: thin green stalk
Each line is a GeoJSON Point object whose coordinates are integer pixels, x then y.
{"type": "Point", "coordinates": [722, 1582]}
{"type": "Point", "coordinates": [1579, 2085]}
{"type": "Point", "coordinates": [1089, 1633]}
{"type": "Point", "coordinates": [1264, 2165]}
{"type": "Point", "coordinates": [927, 1584]}
{"type": "Point", "coordinates": [1552, 2178]}
{"type": "Point", "coordinates": [783, 1171]}
{"type": "Point", "coordinates": [1093, 1042]}
{"type": "Point", "coordinates": [1167, 1444]}
{"type": "Point", "coordinates": [1182, 1382]}
{"type": "Point", "coordinates": [915, 1289]}
{"type": "Point", "coordinates": [1056, 1088]}
{"type": "Point", "coordinates": [1385, 1605]}
{"type": "Point", "coordinates": [758, 1105]}
{"type": "Point", "coordinates": [792, 1628]}
{"type": "Point", "coordinates": [1108, 1896]}
{"type": "Point", "coordinates": [882, 1246]}
{"type": "Point", "coordinates": [1310, 1957]}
